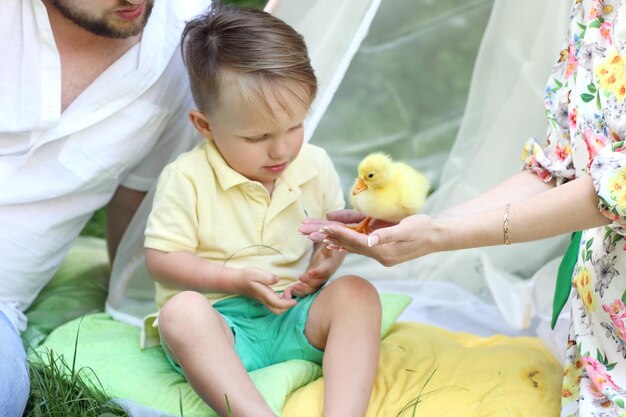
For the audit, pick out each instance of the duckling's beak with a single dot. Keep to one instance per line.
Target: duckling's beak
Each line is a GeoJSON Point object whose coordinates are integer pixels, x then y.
{"type": "Point", "coordinates": [359, 186]}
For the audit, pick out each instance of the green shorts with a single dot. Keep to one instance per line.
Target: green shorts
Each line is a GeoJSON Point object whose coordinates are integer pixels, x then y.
{"type": "Point", "coordinates": [263, 338]}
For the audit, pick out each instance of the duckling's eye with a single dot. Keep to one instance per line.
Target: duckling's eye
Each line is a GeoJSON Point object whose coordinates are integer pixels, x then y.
{"type": "Point", "coordinates": [370, 175]}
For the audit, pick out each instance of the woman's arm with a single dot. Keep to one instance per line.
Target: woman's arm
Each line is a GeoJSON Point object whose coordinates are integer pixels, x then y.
{"type": "Point", "coordinates": [518, 187]}
{"type": "Point", "coordinates": [570, 207]}
{"type": "Point", "coordinates": [567, 208]}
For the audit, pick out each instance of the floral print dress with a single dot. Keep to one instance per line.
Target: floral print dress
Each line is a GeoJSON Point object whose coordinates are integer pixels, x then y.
{"type": "Point", "coordinates": [585, 101]}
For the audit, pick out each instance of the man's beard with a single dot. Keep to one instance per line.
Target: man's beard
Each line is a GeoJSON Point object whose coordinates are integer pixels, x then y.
{"type": "Point", "coordinates": [102, 27]}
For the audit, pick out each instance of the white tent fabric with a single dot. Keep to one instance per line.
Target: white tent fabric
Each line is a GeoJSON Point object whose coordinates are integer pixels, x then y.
{"type": "Point", "coordinates": [504, 108]}
{"type": "Point", "coordinates": [345, 24]}
{"type": "Point", "coordinates": [406, 92]}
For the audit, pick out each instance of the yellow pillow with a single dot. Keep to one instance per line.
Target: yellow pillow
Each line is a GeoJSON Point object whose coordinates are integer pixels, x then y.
{"type": "Point", "coordinates": [457, 374]}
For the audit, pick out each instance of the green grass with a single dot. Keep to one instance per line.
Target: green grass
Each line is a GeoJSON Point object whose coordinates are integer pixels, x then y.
{"type": "Point", "coordinates": [411, 406]}
{"type": "Point", "coordinates": [96, 226]}
{"type": "Point", "coordinates": [58, 388]}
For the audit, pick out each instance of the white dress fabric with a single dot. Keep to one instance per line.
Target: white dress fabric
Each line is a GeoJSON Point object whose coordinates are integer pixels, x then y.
{"type": "Point", "coordinates": [585, 100]}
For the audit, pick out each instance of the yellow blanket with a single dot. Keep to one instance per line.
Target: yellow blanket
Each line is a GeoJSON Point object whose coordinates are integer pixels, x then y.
{"type": "Point", "coordinates": [436, 373]}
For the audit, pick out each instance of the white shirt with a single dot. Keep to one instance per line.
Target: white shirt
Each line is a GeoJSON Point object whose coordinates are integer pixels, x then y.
{"type": "Point", "coordinates": [57, 168]}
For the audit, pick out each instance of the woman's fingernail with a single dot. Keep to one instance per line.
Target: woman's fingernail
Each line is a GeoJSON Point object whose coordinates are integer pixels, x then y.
{"type": "Point", "coordinates": [372, 240]}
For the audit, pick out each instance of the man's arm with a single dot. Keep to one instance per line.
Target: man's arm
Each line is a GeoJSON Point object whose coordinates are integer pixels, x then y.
{"type": "Point", "coordinates": [120, 212]}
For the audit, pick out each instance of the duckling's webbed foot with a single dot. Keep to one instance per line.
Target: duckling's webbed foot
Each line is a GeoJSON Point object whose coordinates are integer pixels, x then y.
{"type": "Point", "coordinates": [363, 227]}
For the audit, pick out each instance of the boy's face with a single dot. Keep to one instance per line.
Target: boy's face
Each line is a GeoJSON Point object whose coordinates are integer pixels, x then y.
{"type": "Point", "coordinates": [250, 141]}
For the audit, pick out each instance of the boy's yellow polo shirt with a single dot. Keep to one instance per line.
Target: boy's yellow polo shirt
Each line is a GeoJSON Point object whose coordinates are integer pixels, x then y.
{"type": "Point", "coordinates": [205, 207]}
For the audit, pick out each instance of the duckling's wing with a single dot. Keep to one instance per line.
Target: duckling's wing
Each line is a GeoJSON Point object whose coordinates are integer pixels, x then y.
{"type": "Point", "coordinates": [415, 189]}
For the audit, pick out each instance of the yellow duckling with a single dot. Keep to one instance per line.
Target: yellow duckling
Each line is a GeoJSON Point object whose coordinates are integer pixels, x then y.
{"type": "Point", "coordinates": [387, 190]}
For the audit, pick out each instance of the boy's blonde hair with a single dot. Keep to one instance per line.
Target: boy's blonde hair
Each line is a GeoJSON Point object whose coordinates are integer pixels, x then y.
{"type": "Point", "coordinates": [251, 48]}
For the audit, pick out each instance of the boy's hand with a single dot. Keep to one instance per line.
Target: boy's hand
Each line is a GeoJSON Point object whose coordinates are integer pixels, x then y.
{"type": "Point", "coordinates": [323, 265]}
{"type": "Point", "coordinates": [255, 283]}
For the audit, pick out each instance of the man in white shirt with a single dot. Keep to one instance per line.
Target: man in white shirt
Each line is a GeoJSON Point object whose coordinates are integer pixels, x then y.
{"type": "Point", "coordinates": [93, 103]}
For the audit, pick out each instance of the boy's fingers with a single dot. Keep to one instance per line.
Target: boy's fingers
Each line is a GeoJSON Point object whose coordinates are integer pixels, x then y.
{"type": "Point", "coordinates": [278, 306]}
{"type": "Point", "coordinates": [298, 287]}
{"type": "Point", "coordinates": [266, 278]}
{"type": "Point", "coordinates": [274, 299]}
{"type": "Point", "coordinates": [306, 276]}
{"type": "Point", "coordinates": [313, 273]}
{"type": "Point", "coordinates": [312, 276]}
{"type": "Point", "coordinates": [288, 293]}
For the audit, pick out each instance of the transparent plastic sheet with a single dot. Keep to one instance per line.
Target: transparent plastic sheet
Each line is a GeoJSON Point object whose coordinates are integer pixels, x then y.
{"type": "Point", "coordinates": [406, 88]}
{"type": "Point", "coordinates": [430, 86]}
{"type": "Point", "coordinates": [489, 126]}
{"type": "Point", "coordinates": [345, 23]}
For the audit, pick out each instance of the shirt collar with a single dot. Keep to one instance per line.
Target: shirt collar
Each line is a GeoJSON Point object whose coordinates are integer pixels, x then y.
{"type": "Point", "coordinates": [301, 170]}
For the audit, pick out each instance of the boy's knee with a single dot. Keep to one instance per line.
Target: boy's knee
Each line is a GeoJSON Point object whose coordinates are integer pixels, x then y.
{"type": "Point", "coordinates": [356, 285]}
{"type": "Point", "coordinates": [357, 291]}
{"type": "Point", "coordinates": [182, 308]}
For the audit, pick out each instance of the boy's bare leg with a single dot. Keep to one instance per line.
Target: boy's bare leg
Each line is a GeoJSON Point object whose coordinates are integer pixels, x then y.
{"type": "Point", "coordinates": [344, 320]}
{"type": "Point", "coordinates": [201, 342]}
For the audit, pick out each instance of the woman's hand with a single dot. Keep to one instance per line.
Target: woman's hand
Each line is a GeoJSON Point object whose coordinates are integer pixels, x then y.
{"type": "Point", "coordinates": [413, 237]}
{"type": "Point", "coordinates": [310, 227]}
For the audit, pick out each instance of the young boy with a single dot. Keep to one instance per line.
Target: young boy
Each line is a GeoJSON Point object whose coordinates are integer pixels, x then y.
{"type": "Point", "coordinates": [237, 287]}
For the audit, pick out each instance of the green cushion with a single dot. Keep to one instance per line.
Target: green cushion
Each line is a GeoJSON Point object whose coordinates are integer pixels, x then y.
{"type": "Point", "coordinates": [79, 287]}
{"type": "Point", "coordinates": [111, 349]}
